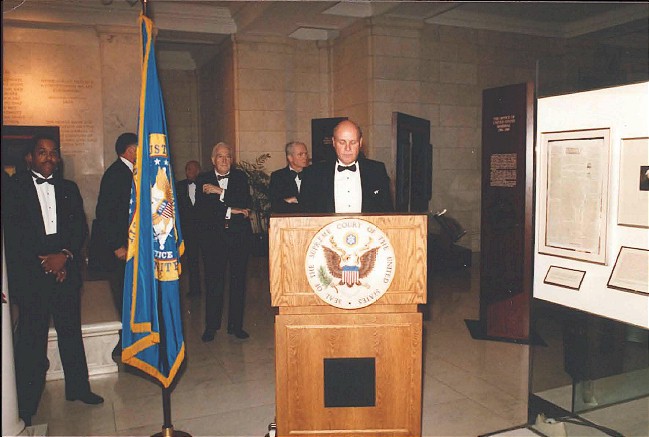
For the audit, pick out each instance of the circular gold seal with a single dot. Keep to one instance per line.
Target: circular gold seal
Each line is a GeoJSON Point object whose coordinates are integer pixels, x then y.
{"type": "Point", "coordinates": [350, 263]}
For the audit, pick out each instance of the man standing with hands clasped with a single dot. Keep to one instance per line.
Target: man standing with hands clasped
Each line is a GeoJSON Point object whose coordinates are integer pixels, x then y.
{"type": "Point", "coordinates": [45, 229]}
{"type": "Point", "coordinates": [286, 182]}
{"type": "Point", "coordinates": [223, 200]}
{"type": "Point", "coordinates": [350, 184]}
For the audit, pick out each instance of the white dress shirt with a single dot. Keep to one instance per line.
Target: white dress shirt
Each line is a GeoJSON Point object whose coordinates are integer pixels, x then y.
{"type": "Point", "coordinates": [298, 181]}
{"type": "Point", "coordinates": [348, 193]}
{"type": "Point", "coordinates": [223, 183]}
{"type": "Point", "coordinates": [47, 200]}
{"type": "Point", "coordinates": [191, 190]}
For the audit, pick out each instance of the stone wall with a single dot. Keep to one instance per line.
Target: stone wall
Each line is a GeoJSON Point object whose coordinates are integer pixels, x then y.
{"type": "Point", "coordinates": [281, 84]}
{"type": "Point", "coordinates": [179, 89]}
{"type": "Point", "coordinates": [84, 80]}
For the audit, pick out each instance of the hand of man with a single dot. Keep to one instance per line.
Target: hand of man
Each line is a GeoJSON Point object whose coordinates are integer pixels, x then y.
{"type": "Point", "coordinates": [120, 253]}
{"type": "Point", "coordinates": [212, 189]}
{"type": "Point", "coordinates": [291, 200]}
{"type": "Point", "coordinates": [245, 212]}
{"type": "Point", "coordinates": [61, 275]}
{"type": "Point", "coordinates": [53, 263]}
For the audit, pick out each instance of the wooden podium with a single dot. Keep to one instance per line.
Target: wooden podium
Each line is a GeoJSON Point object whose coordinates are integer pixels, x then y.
{"type": "Point", "coordinates": [348, 371]}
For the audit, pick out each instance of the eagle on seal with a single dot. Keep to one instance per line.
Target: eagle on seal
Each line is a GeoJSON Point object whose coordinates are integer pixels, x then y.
{"type": "Point", "coordinates": [350, 268]}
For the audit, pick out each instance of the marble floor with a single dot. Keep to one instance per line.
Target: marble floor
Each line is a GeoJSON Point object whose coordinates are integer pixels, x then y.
{"type": "Point", "coordinates": [227, 389]}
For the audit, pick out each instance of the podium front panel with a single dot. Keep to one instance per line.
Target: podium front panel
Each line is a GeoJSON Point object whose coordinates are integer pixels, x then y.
{"type": "Point", "coordinates": [290, 236]}
{"type": "Point", "coordinates": [383, 354]}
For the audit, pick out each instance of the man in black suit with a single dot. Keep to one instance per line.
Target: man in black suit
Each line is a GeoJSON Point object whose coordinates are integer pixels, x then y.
{"type": "Point", "coordinates": [112, 215]}
{"type": "Point", "coordinates": [189, 222]}
{"type": "Point", "coordinates": [223, 200]}
{"type": "Point", "coordinates": [45, 228]}
{"type": "Point", "coordinates": [285, 183]}
{"type": "Point", "coordinates": [350, 184]}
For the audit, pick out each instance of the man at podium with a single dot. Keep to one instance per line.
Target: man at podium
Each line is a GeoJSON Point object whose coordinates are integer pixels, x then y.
{"type": "Point", "coordinates": [350, 184]}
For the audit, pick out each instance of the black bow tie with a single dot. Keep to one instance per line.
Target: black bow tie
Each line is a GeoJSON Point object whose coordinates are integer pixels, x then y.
{"type": "Point", "coordinates": [219, 177]}
{"type": "Point", "coordinates": [40, 180]}
{"type": "Point", "coordinates": [192, 183]}
{"type": "Point", "coordinates": [296, 174]}
{"type": "Point", "coordinates": [348, 167]}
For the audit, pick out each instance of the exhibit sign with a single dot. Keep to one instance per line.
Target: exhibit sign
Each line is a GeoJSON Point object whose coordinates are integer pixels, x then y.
{"type": "Point", "coordinates": [633, 197]}
{"type": "Point", "coordinates": [350, 263]}
{"type": "Point", "coordinates": [574, 194]}
{"type": "Point", "coordinates": [563, 277]}
{"type": "Point", "coordinates": [631, 270]}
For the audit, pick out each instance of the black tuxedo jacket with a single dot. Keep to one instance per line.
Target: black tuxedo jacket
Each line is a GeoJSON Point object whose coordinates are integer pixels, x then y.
{"type": "Point", "coordinates": [110, 227]}
{"type": "Point", "coordinates": [25, 234]}
{"type": "Point", "coordinates": [282, 185]}
{"type": "Point", "coordinates": [189, 215]}
{"type": "Point", "coordinates": [210, 208]}
{"type": "Point", "coordinates": [113, 204]}
{"type": "Point", "coordinates": [317, 193]}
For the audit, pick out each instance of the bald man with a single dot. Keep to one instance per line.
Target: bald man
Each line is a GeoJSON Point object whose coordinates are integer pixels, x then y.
{"type": "Point", "coordinates": [351, 184]}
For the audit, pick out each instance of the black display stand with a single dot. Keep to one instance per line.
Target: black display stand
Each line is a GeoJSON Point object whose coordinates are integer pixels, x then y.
{"type": "Point", "coordinates": [506, 219]}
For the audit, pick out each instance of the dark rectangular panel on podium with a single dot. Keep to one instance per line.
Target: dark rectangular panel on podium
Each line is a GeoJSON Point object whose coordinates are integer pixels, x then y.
{"type": "Point", "coordinates": [506, 220]}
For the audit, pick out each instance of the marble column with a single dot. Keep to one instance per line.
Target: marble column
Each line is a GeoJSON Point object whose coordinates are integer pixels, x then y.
{"type": "Point", "coordinates": [11, 423]}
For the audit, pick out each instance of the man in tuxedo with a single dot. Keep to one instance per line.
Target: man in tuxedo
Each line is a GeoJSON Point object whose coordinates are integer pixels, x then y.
{"type": "Point", "coordinates": [189, 223]}
{"type": "Point", "coordinates": [350, 184]}
{"type": "Point", "coordinates": [45, 228]}
{"type": "Point", "coordinates": [285, 183]}
{"type": "Point", "coordinates": [112, 217]}
{"type": "Point", "coordinates": [223, 200]}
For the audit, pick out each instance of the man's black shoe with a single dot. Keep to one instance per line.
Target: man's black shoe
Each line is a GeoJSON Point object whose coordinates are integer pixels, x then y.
{"type": "Point", "coordinates": [239, 333]}
{"type": "Point", "coordinates": [87, 398]}
{"type": "Point", "coordinates": [208, 335]}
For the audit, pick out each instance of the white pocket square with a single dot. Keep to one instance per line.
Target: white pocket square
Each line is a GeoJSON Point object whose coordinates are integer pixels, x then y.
{"type": "Point", "coordinates": [376, 192]}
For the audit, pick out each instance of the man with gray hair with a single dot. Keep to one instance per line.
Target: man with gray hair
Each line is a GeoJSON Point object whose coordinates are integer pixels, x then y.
{"type": "Point", "coordinates": [285, 183]}
{"type": "Point", "coordinates": [223, 201]}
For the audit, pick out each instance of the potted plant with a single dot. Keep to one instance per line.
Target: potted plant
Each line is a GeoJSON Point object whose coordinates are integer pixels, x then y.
{"type": "Point", "coordinates": [259, 181]}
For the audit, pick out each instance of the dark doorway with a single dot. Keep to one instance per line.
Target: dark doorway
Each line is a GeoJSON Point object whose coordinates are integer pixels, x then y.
{"type": "Point", "coordinates": [411, 140]}
{"type": "Point", "coordinates": [322, 132]}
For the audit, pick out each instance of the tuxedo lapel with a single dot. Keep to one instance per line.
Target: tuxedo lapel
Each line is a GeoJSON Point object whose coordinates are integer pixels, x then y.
{"type": "Point", "coordinates": [33, 206]}
{"type": "Point", "coordinates": [329, 176]}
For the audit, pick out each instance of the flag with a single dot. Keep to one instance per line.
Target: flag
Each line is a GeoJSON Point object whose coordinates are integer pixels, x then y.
{"type": "Point", "coordinates": [152, 336]}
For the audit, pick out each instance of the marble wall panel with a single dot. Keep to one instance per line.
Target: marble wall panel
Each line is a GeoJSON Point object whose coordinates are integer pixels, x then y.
{"type": "Point", "coordinates": [456, 72]}
{"type": "Point", "coordinates": [459, 116]}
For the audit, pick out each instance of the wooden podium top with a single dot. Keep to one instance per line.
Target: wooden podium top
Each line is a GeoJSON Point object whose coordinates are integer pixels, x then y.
{"type": "Point", "coordinates": [290, 237]}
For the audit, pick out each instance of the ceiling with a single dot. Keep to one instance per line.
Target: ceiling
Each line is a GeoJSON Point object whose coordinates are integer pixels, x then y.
{"type": "Point", "coordinates": [201, 22]}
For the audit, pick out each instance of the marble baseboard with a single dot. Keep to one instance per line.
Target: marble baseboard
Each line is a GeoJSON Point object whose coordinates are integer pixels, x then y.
{"type": "Point", "coordinates": [99, 340]}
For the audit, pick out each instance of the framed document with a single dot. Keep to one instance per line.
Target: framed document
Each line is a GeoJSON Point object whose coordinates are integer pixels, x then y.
{"type": "Point", "coordinates": [563, 277]}
{"type": "Point", "coordinates": [634, 183]}
{"type": "Point", "coordinates": [573, 188]}
{"type": "Point", "coordinates": [631, 271]}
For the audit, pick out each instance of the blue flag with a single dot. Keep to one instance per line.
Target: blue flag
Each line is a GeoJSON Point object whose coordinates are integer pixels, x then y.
{"type": "Point", "coordinates": [152, 335]}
